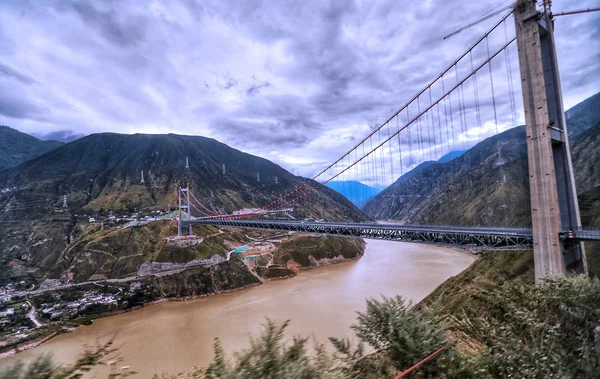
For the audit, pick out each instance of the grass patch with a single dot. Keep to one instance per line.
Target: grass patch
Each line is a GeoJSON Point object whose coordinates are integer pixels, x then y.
{"type": "Point", "coordinates": [300, 248]}
{"type": "Point", "coordinates": [488, 273]}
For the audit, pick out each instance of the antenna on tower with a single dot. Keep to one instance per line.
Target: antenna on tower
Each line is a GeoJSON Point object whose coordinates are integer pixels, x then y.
{"type": "Point", "coordinates": [187, 163]}
{"type": "Point", "coordinates": [64, 201]}
{"type": "Point", "coordinates": [142, 181]}
{"type": "Point", "coordinates": [223, 168]}
{"type": "Point", "coordinates": [258, 177]}
{"type": "Point", "coordinates": [276, 180]}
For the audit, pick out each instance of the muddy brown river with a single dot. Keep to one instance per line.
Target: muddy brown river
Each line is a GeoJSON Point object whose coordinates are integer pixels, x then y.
{"type": "Point", "coordinates": [175, 336]}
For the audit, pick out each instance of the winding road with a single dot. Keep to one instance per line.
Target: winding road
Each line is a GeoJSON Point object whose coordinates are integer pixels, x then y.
{"type": "Point", "coordinates": [32, 316]}
{"type": "Point", "coordinates": [121, 280]}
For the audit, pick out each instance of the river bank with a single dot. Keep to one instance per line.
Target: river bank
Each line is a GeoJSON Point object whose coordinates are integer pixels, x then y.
{"type": "Point", "coordinates": [29, 344]}
{"type": "Point", "coordinates": [81, 303]}
{"type": "Point", "coordinates": [173, 336]}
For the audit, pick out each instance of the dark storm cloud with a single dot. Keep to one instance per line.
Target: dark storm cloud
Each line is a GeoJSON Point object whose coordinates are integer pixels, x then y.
{"type": "Point", "coordinates": [15, 107]}
{"type": "Point", "coordinates": [295, 82]}
{"type": "Point", "coordinates": [116, 24]}
{"type": "Point", "coordinates": [7, 71]}
{"type": "Point", "coordinates": [284, 134]}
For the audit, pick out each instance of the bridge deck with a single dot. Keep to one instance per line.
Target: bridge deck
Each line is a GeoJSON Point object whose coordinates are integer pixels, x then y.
{"type": "Point", "coordinates": [478, 236]}
{"type": "Point", "coordinates": [448, 235]}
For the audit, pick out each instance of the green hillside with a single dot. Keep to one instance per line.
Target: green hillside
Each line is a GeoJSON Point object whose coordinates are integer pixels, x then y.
{"type": "Point", "coordinates": [488, 184]}
{"type": "Point", "coordinates": [17, 147]}
{"type": "Point", "coordinates": [101, 173]}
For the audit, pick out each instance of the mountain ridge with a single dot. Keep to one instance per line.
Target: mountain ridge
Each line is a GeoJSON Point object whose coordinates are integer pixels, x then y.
{"type": "Point", "coordinates": [103, 171]}
{"type": "Point", "coordinates": [17, 147]}
{"type": "Point", "coordinates": [488, 184]}
{"type": "Point", "coordinates": [100, 174]}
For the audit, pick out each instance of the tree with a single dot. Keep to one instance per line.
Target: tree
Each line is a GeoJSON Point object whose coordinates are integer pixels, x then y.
{"type": "Point", "coordinates": [404, 334]}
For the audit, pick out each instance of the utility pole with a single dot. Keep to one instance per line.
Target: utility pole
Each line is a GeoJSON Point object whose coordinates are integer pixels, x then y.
{"type": "Point", "coordinates": [187, 163]}
{"type": "Point", "coordinates": [258, 177]}
{"type": "Point", "coordinates": [554, 206]}
{"type": "Point", "coordinates": [223, 168]}
{"type": "Point", "coordinates": [64, 201]}
{"type": "Point", "coordinates": [276, 180]}
{"type": "Point", "coordinates": [142, 181]}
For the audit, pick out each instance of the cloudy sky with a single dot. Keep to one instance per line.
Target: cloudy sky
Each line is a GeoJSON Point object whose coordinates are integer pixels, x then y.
{"type": "Point", "coordinates": [297, 82]}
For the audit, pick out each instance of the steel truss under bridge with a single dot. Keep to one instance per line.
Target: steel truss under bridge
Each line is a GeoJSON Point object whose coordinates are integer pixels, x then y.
{"type": "Point", "coordinates": [445, 235]}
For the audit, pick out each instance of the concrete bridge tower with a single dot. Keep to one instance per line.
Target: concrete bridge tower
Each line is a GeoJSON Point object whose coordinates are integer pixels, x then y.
{"type": "Point", "coordinates": [554, 206]}
{"type": "Point", "coordinates": [184, 206]}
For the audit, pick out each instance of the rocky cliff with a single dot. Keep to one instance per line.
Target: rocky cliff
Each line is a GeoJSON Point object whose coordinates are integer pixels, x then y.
{"type": "Point", "coordinates": [305, 251]}
{"type": "Point", "coordinates": [223, 277]}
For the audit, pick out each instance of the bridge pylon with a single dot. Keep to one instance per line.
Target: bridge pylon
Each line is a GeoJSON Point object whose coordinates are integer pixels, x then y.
{"type": "Point", "coordinates": [184, 208]}
{"type": "Point", "coordinates": [554, 206]}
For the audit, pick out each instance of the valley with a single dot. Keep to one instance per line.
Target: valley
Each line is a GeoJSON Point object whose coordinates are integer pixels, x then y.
{"type": "Point", "coordinates": [299, 190]}
{"type": "Point", "coordinates": [99, 175]}
{"type": "Point", "coordinates": [114, 270]}
{"type": "Point", "coordinates": [113, 247]}
{"type": "Point", "coordinates": [320, 302]}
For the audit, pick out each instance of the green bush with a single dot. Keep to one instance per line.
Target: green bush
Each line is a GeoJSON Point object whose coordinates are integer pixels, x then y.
{"type": "Point", "coordinates": [44, 367]}
{"type": "Point", "coordinates": [268, 357]}
{"type": "Point", "coordinates": [538, 331]}
{"type": "Point", "coordinates": [395, 326]}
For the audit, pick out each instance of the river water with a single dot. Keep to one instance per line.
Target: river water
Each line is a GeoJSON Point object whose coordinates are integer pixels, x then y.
{"type": "Point", "coordinates": [175, 336]}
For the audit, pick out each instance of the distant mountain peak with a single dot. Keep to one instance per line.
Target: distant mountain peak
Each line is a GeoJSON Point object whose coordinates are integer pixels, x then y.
{"type": "Point", "coordinates": [357, 192]}
{"type": "Point", "coordinates": [17, 147]}
{"type": "Point", "coordinates": [59, 135]}
{"type": "Point", "coordinates": [103, 171]}
{"type": "Point", "coordinates": [488, 184]}
{"type": "Point", "coordinates": [451, 155]}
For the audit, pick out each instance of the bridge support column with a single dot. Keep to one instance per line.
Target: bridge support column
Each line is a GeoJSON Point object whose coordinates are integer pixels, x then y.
{"type": "Point", "coordinates": [184, 207]}
{"type": "Point", "coordinates": [554, 206]}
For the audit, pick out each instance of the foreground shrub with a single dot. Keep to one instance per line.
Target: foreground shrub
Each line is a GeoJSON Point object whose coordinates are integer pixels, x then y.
{"type": "Point", "coordinates": [514, 331]}
{"type": "Point", "coordinates": [537, 331]}
{"type": "Point", "coordinates": [269, 357]}
{"type": "Point", "coordinates": [44, 367]}
{"type": "Point", "coordinates": [403, 335]}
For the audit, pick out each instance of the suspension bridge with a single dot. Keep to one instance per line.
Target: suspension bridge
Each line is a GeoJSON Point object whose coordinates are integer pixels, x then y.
{"type": "Point", "coordinates": [474, 98]}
